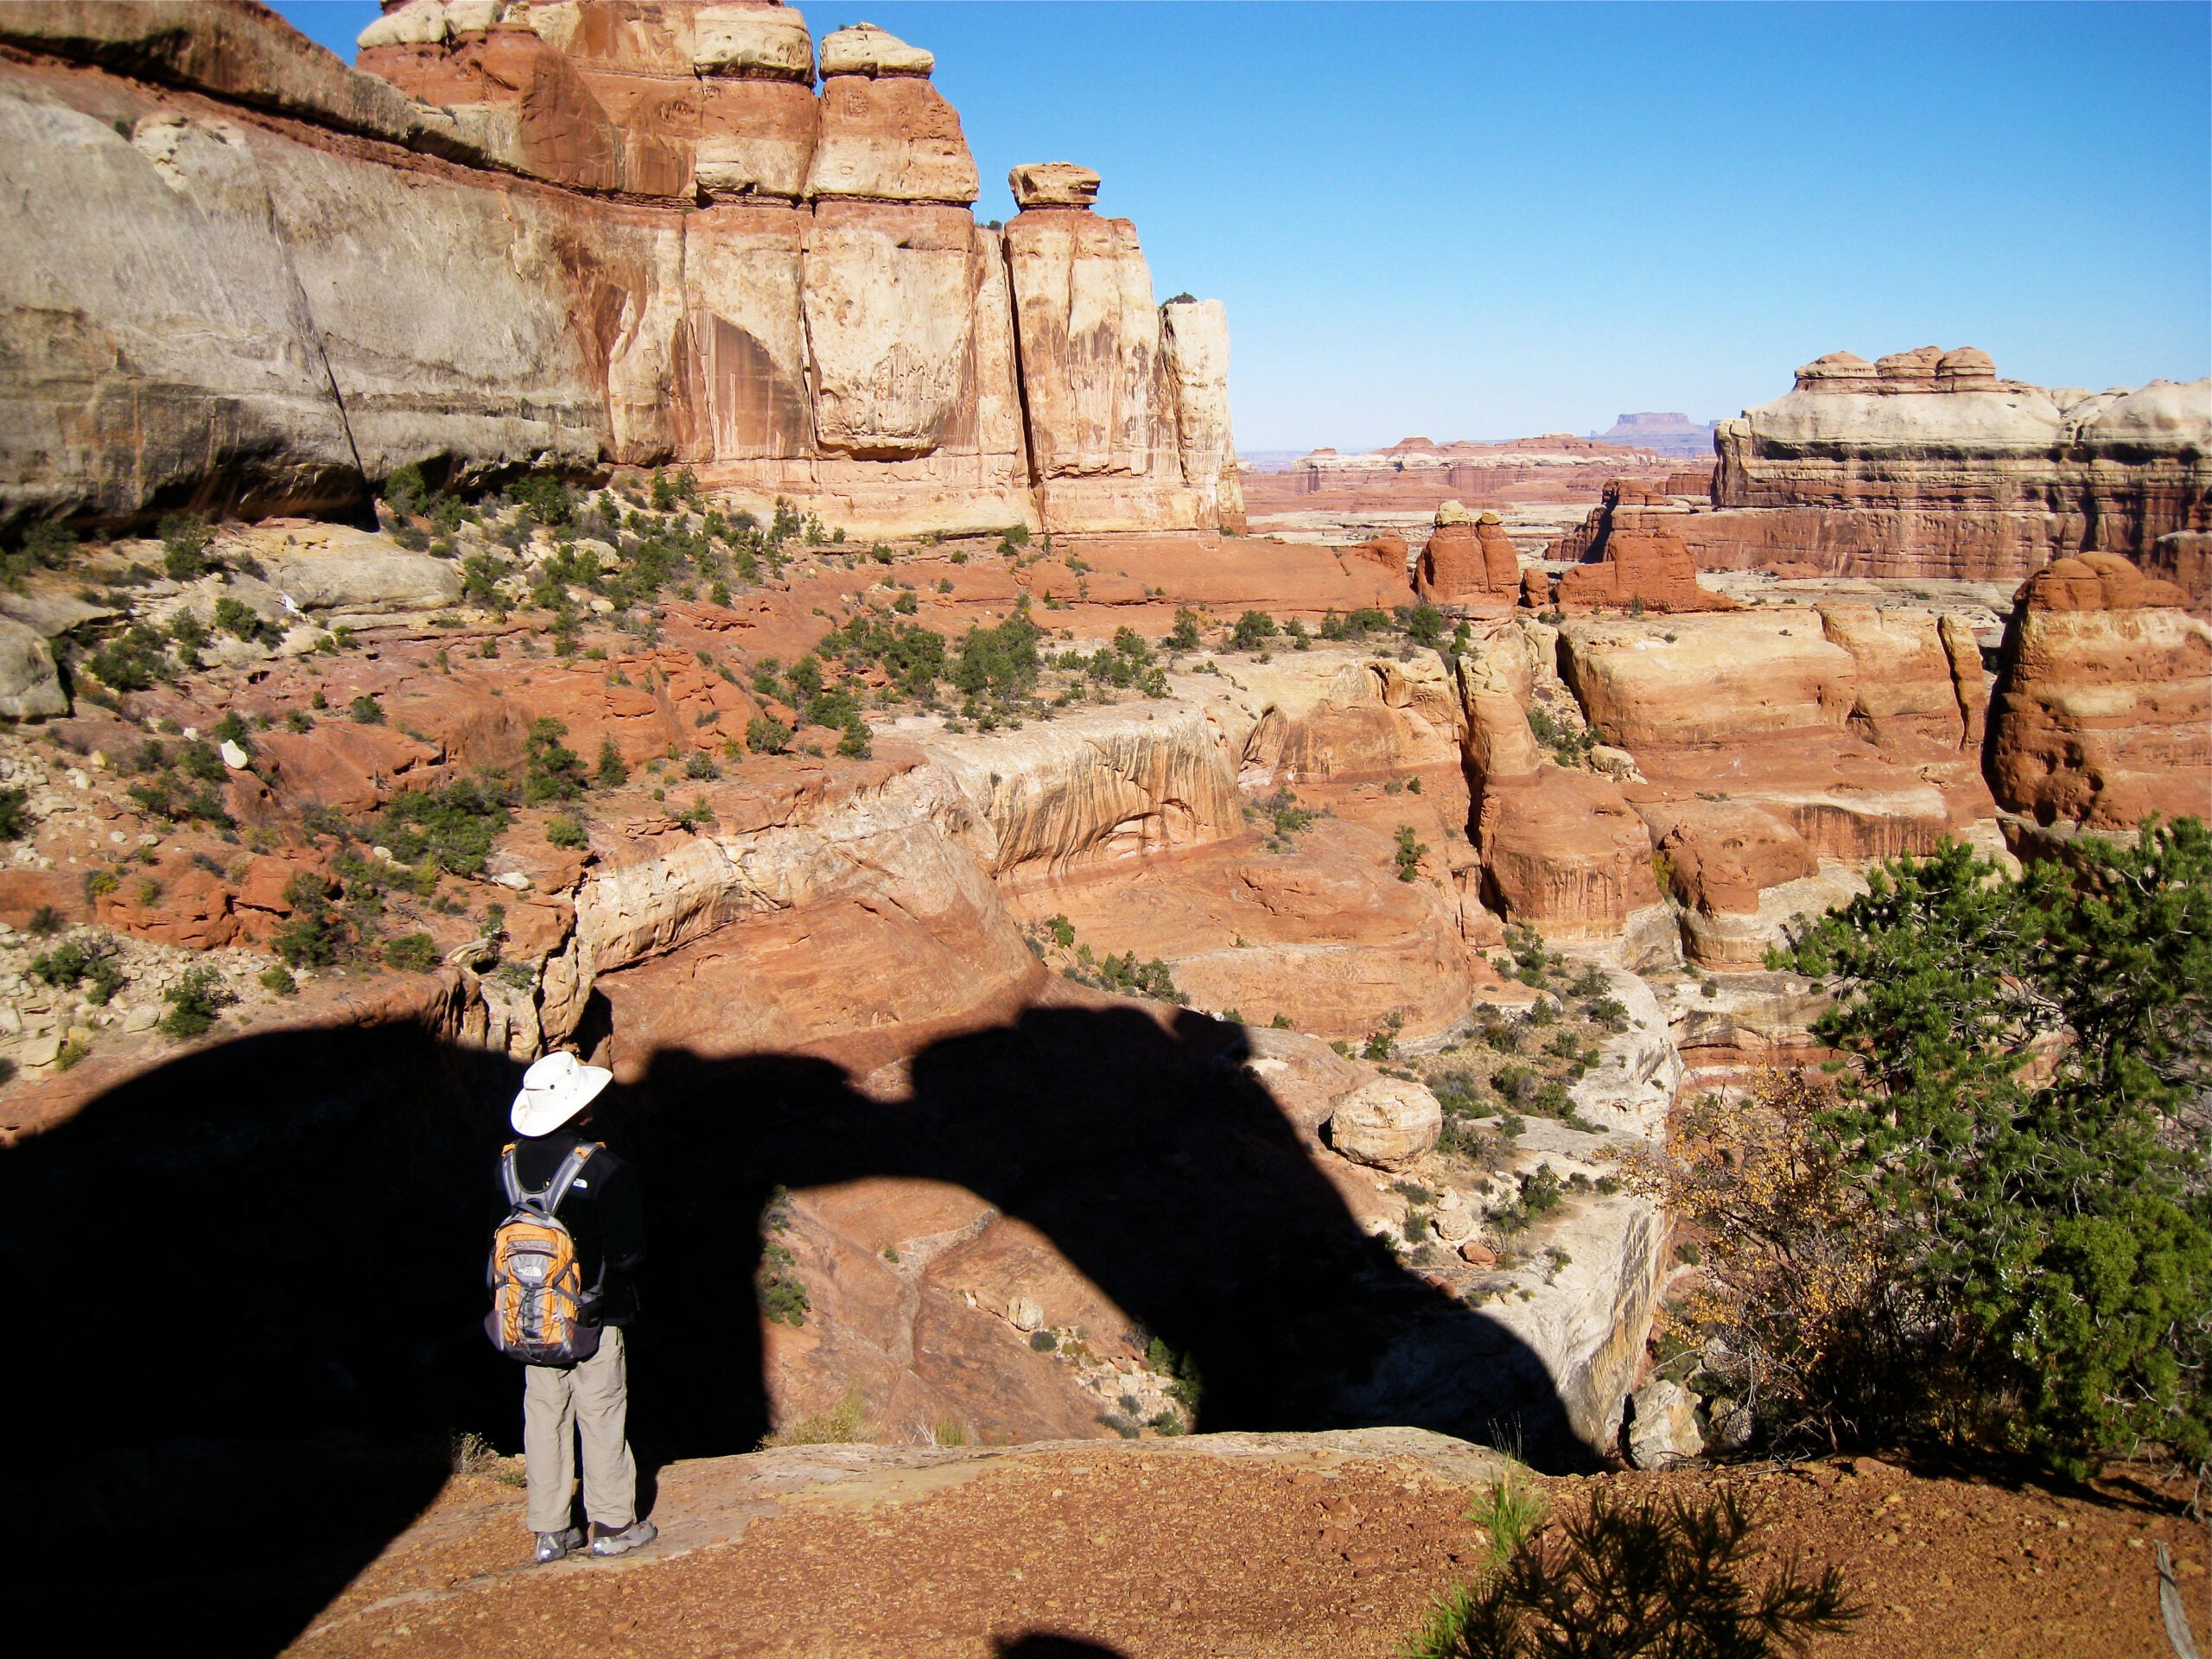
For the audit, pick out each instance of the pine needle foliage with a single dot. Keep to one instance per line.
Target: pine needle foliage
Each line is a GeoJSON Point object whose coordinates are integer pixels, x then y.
{"type": "Point", "coordinates": [2024, 1096]}
{"type": "Point", "coordinates": [1652, 1578]}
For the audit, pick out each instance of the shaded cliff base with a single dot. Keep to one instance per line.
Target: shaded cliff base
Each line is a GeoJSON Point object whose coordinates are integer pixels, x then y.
{"type": "Point", "coordinates": [1327, 1545]}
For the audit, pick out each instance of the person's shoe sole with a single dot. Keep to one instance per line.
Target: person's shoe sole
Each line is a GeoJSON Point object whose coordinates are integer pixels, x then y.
{"type": "Point", "coordinates": [635, 1536]}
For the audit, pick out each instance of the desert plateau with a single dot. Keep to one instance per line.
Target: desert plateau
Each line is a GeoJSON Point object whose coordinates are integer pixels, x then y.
{"type": "Point", "coordinates": [1418, 1051]}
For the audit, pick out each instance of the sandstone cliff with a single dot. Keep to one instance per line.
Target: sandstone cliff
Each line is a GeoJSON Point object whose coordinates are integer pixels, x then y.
{"type": "Point", "coordinates": [1927, 464]}
{"type": "Point", "coordinates": [568, 236]}
{"type": "Point", "coordinates": [2103, 706]}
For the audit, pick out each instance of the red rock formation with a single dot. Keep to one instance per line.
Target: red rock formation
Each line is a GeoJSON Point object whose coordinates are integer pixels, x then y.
{"type": "Point", "coordinates": [2103, 707]}
{"type": "Point", "coordinates": [1101, 413]}
{"type": "Point", "coordinates": [1564, 852]}
{"type": "Point", "coordinates": [1926, 464]}
{"type": "Point", "coordinates": [1468, 561]}
{"type": "Point", "coordinates": [1638, 565]}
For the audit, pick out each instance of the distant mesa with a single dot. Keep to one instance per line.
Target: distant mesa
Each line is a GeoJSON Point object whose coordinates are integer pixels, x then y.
{"type": "Point", "coordinates": [1666, 431]}
{"type": "Point", "coordinates": [1927, 463]}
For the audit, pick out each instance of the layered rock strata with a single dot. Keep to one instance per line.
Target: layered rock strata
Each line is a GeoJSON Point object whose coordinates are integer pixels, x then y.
{"type": "Point", "coordinates": [1927, 464]}
{"type": "Point", "coordinates": [568, 236]}
{"type": "Point", "coordinates": [2103, 706]}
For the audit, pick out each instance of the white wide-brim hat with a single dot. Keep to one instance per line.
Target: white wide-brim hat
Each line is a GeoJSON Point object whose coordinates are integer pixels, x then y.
{"type": "Point", "coordinates": [554, 1090]}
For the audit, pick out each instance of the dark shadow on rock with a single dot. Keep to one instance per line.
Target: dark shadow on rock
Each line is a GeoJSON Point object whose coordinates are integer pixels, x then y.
{"type": "Point", "coordinates": [245, 1289]}
{"type": "Point", "coordinates": [249, 1285]}
{"type": "Point", "coordinates": [1159, 1166]}
{"type": "Point", "coordinates": [1051, 1644]}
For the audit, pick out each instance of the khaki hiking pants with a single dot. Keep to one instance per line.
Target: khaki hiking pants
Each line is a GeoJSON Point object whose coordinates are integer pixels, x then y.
{"type": "Point", "coordinates": [593, 1398]}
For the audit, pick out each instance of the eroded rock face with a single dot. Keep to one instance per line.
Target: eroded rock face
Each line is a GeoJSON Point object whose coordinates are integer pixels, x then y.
{"type": "Point", "coordinates": [1468, 561]}
{"type": "Point", "coordinates": [833, 328]}
{"type": "Point", "coordinates": [1102, 412]}
{"type": "Point", "coordinates": [1927, 464]}
{"type": "Point", "coordinates": [2103, 707]}
{"type": "Point", "coordinates": [1647, 569]}
{"type": "Point", "coordinates": [29, 685]}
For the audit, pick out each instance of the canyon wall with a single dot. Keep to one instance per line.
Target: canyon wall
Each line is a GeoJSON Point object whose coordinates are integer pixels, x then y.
{"type": "Point", "coordinates": [1927, 464]}
{"type": "Point", "coordinates": [573, 236]}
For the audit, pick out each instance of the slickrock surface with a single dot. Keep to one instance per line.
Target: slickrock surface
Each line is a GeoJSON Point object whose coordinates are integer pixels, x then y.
{"type": "Point", "coordinates": [571, 235]}
{"type": "Point", "coordinates": [1234, 1545]}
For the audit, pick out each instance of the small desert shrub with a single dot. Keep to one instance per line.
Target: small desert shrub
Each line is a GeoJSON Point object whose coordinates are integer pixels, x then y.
{"type": "Point", "coordinates": [612, 772]}
{"type": "Point", "coordinates": [1658, 1577]}
{"type": "Point", "coordinates": [194, 1000]}
{"type": "Point", "coordinates": [566, 832]}
{"type": "Point", "coordinates": [411, 953]}
{"type": "Point", "coordinates": [15, 816]}
{"type": "Point", "coordinates": [279, 980]}
{"type": "Point", "coordinates": [1253, 630]}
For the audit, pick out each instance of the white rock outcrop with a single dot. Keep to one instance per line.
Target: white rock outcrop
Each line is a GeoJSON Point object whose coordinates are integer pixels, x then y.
{"type": "Point", "coordinates": [1388, 1123]}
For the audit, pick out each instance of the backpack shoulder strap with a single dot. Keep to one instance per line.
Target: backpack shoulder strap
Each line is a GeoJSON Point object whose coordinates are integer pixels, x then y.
{"type": "Point", "coordinates": [557, 1188]}
{"type": "Point", "coordinates": [510, 1177]}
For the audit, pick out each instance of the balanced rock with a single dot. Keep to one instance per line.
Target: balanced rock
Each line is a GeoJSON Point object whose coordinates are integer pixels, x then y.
{"type": "Point", "coordinates": [864, 49]}
{"type": "Point", "coordinates": [1053, 184]}
{"type": "Point", "coordinates": [1388, 1123]}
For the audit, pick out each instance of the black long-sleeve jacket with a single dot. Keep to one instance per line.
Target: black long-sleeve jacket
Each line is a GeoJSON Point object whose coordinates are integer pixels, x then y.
{"type": "Point", "coordinates": [603, 1210]}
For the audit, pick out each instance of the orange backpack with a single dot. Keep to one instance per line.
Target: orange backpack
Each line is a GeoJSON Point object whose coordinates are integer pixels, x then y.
{"type": "Point", "coordinates": [539, 1302]}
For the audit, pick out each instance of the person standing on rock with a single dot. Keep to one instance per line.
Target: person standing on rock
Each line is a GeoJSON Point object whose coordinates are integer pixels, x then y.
{"type": "Point", "coordinates": [573, 1233]}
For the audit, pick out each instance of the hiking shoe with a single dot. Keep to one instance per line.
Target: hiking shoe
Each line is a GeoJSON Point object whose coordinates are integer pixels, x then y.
{"type": "Point", "coordinates": [558, 1546]}
{"type": "Point", "coordinates": [620, 1540]}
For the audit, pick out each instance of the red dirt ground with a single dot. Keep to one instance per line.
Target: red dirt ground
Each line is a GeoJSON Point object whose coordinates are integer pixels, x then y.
{"type": "Point", "coordinates": [1155, 1557]}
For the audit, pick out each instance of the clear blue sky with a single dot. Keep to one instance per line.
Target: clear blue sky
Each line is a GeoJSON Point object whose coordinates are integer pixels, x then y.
{"type": "Point", "coordinates": [1491, 220]}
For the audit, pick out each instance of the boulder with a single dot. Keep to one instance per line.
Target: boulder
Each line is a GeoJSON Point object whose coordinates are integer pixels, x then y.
{"type": "Point", "coordinates": [31, 685]}
{"type": "Point", "coordinates": [1053, 184]}
{"type": "Point", "coordinates": [864, 49]}
{"type": "Point", "coordinates": [1388, 1123]}
{"type": "Point", "coordinates": [1662, 1427]}
{"type": "Point", "coordinates": [332, 568]}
